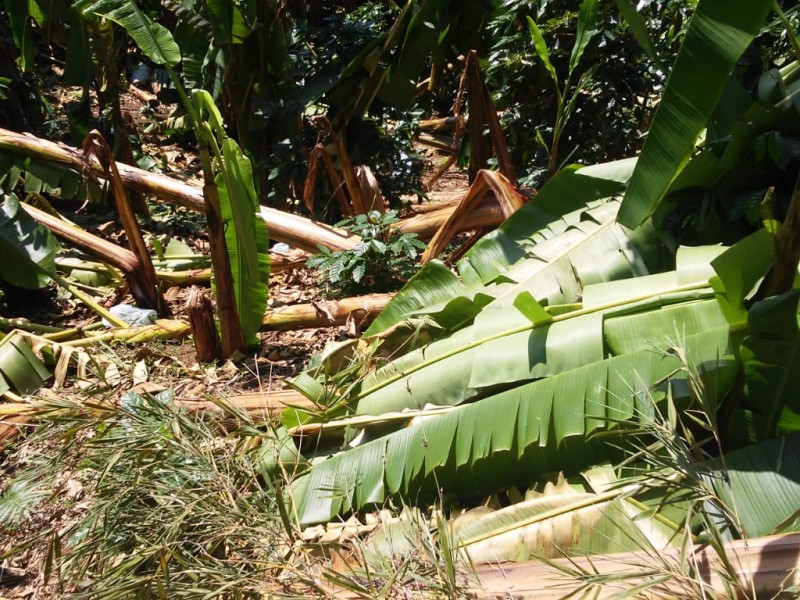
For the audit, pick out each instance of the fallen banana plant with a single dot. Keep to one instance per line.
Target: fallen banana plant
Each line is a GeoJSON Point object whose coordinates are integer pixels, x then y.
{"type": "Point", "coordinates": [483, 117]}
{"type": "Point", "coordinates": [120, 258]}
{"type": "Point", "coordinates": [563, 376]}
{"type": "Point", "coordinates": [162, 329]}
{"type": "Point", "coordinates": [487, 184]}
{"type": "Point", "coordinates": [326, 313]}
{"type": "Point", "coordinates": [294, 230]}
{"type": "Point", "coordinates": [363, 194]}
{"type": "Point", "coordinates": [565, 238]}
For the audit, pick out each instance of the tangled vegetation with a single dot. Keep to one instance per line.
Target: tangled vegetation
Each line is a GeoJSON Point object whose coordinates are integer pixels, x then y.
{"type": "Point", "coordinates": [606, 363]}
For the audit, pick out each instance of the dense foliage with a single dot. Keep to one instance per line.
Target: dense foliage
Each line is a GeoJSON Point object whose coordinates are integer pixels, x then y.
{"type": "Point", "coordinates": [634, 327]}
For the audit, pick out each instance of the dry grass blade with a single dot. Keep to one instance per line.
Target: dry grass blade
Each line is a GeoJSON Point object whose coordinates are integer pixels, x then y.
{"type": "Point", "coordinates": [172, 508]}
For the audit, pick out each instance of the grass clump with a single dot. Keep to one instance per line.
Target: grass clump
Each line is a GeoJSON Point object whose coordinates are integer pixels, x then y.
{"type": "Point", "coordinates": [172, 506]}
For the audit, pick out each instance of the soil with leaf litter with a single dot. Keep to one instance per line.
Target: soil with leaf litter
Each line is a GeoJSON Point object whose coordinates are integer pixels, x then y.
{"type": "Point", "coordinates": [147, 368]}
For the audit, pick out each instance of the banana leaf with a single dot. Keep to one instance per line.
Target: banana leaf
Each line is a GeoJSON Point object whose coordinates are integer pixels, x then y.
{"type": "Point", "coordinates": [505, 347]}
{"type": "Point", "coordinates": [246, 234]}
{"type": "Point", "coordinates": [580, 248]}
{"type": "Point", "coordinates": [739, 270]}
{"type": "Point", "coordinates": [20, 369]}
{"type": "Point", "coordinates": [759, 484]}
{"type": "Point", "coordinates": [567, 519]}
{"type": "Point", "coordinates": [28, 249]}
{"type": "Point", "coordinates": [771, 359]}
{"type": "Point", "coordinates": [718, 34]}
{"type": "Point", "coordinates": [153, 39]}
{"type": "Point", "coordinates": [567, 192]}
{"type": "Point", "coordinates": [514, 437]}
{"type": "Point", "coordinates": [19, 18]}
{"type": "Point", "coordinates": [572, 209]}
{"type": "Point", "coordinates": [504, 437]}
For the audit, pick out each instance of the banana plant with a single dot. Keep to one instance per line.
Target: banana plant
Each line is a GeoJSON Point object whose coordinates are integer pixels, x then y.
{"type": "Point", "coordinates": [685, 108]}
{"type": "Point", "coordinates": [570, 220]}
{"type": "Point", "coordinates": [238, 239]}
{"type": "Point", "coordinates": [535, 386]}
{"type": "Point", "coordinates": [567, 377]}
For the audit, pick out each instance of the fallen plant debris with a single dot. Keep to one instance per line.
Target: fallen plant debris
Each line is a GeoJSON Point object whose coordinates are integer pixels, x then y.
{"type": "Point", "coordinates": [604, 384]}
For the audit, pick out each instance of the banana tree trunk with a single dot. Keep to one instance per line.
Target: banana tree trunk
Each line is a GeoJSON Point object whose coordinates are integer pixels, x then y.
{"type": "Point", "coordinates": [291, 229]}
{"type": "Point", "coordinates": [363, 309]}
{"type": "Point", "coordinates": [258, 405]}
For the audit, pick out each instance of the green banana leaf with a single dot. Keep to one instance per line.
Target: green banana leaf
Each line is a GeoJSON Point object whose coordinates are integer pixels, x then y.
{"type": "Point", "coordinates": [433, 284]}
{"type": "Point", "coordinates": [19, 16]}
{"type": "Point", "coordinates": [771, 359]}
{"type": "Point", "coordinates": [762, 485]}
{"type": "Point", "coordinates": [246, 235]}
{"type": "Point", "coordinates": [597, 367]}
{"type": "Point", "coordinates": [153, 39]}
{"type": "Point", "coordinates": [567, 192]}
{"type": "Point", "coordinates": [739, 270]}
{"type": "Point", "coordinates": [638, 27]}
{"type": "Point", "coordinates": [247, 239]}
{"type": "Point", "coordinates": [20, 369]}
{"type": "Point", "coordinates": [504, 347]}
{"type": "Point", "coordinates": [227, 22]}
{"type": "Point", "coordinates": [511, 438]}
{"type": "Point", "coordinates": [28, 249]}
{"type": "Point", "coordinates": [717, 36]}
